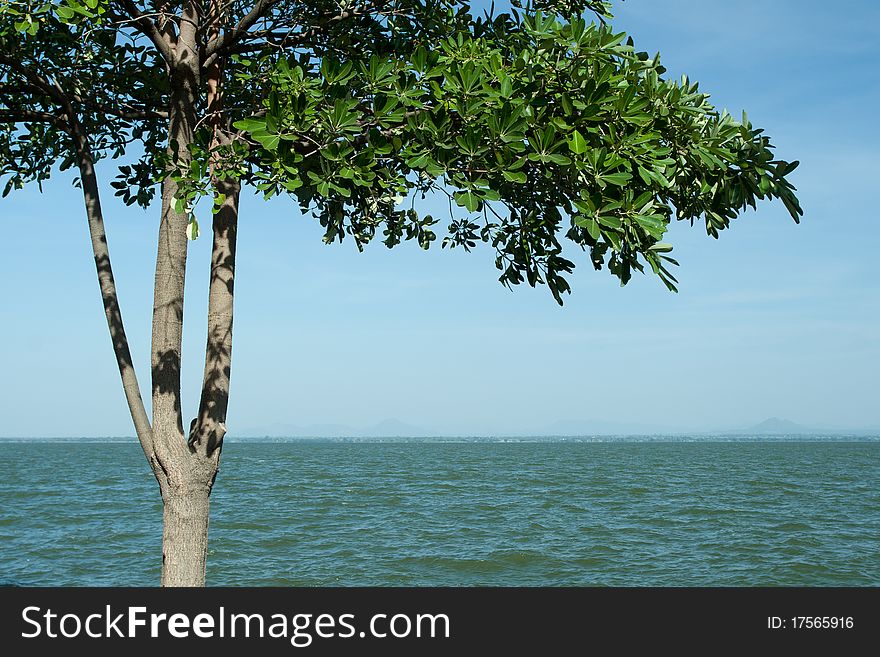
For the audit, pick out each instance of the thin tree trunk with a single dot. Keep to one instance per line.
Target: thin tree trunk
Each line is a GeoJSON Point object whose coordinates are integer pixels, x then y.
{"type": "Point", "coordinates": [171, 263]}
{"type": "Point", "coordinates": [209, 427]}
{"type": "Point", "coordinates": [168, 329]}
{"type": "Point", "coordinates": [101, 251]}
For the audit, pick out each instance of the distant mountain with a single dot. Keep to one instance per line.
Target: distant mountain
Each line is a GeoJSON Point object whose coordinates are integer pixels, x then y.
{"type": "Point", "coordinates": [779, 426]}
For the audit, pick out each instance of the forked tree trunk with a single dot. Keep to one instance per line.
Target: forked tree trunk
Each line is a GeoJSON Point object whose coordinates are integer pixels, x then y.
{"type": "Point", "coordinates": [187, 495]}
{"type": "Point", "coordinates": [185, 468]}
{"type": "Point", "coordinates": [185, 464]}
{"type": "Point", "coordinates": [185, 473]}
{"type": "Point", "coordinates": [191, 460]}
{"type": "Point", "coordinates": [187, 506]}
{"type": "Point", "coordinates": [186, 477]}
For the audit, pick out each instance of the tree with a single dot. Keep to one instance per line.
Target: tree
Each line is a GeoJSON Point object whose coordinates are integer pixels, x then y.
{"type": "Point", "coordinates": [536, 124]}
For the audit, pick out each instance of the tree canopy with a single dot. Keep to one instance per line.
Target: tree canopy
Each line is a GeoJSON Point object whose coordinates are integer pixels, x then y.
{"type": "Point", "coordinates": [544, 130]}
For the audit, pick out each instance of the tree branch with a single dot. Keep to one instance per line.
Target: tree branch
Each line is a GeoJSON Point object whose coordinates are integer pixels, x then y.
{"type": "Point", "coordinates": [231, 37]}
{"type": "Point", "coordinates": [53, 89]}
{"type": "Point", "coordinates": [126, 112]}
{"type": "Point", "coordinates": [109, 295]}
{"type": "Point", "coordinates": [169, 283]}
{"type": "Point", "coordinates": [35, 79]}
{"type": "Point", "coordinates": [32, 116]}
{"type": "Point", "coordinates": [148, 27]}
{"type": "Point", "coordinates": [209, 428]}
{"type": "Point", "coordinates": [229, 40]}
{"type": "Point", "coordinates": [312, 32]}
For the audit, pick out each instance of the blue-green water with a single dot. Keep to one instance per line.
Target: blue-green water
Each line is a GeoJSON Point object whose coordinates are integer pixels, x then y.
{"type": "Point", "coordinates": [616, 513]}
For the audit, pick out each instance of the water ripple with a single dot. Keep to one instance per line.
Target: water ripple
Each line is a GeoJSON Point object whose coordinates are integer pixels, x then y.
{"type": "Point", "coordinates": [459, 514]}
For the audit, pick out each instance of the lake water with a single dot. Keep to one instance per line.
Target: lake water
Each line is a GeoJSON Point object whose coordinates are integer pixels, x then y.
{"type": "Point", "coordinates": [412, 513]}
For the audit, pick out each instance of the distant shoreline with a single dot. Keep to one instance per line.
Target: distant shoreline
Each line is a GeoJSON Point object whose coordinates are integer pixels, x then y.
{"type": "Point", "coordinates": [635, 438]}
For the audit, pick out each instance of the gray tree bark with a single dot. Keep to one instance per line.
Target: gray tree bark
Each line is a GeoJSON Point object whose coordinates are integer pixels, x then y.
{"type": "Point", "coordinates": [107, 284]}
{"type": "Point", "coordinates": [187, 474]}
{"type": "Point", "coordinates": [190, 462]}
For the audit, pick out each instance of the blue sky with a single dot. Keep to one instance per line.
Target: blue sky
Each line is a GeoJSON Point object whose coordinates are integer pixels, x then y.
{"type": "Point", "coordinates": [773, 319]}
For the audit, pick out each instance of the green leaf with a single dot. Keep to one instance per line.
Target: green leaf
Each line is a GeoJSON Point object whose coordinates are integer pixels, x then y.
{"type": "Point", "coordinates": [786, 168]}
{"type": "Point", "coordinates": [419, 161]}
{"type": "Point", "coordinates": [577, 143]}
{"type": "Point", "coordinates": [654, 225]}
{"type": "Point", "coordinates": [269, 142]}
{"type": "Point", "coordinates": [515, 176]}
{"type": "Point", "coordinates": [649, 221]}
{"type": "Point", "coordinates": [618, 179]}
{"type": "Point", "coordinates": [590, 224]}
{"type": "Point", "coordinates": [610, 221]}
{"type": "Point", "coordinates": [192, 229]}
{"type": "Point", "coordinates": [556, 158]}
{"type": "Point", "coordinates": [468, 199]}
{"type": "Point", "coordinates": [506, 87]}
{"type": "Point", "coordinates": [250, 125]}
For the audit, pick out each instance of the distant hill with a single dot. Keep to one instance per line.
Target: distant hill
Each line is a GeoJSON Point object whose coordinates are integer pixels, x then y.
{"type": "Point", "coordinates": [779, 426]}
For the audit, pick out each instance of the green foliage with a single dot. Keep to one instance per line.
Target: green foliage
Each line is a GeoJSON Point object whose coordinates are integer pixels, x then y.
{"type": "Point", "coordinates": [537, 126]}
{"type": "Point", "coordinates": [110, 79]}
{"type": "Point", "coordinates": [544, 128]}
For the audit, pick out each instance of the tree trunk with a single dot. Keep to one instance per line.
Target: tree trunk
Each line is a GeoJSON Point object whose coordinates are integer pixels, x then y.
{"type": "Point", "coordinates": [189, 482]}
{"type": "Point", "coordinates": [185, 539]}
{"type": "Point", "coordinates": [107, 284]}
{"type": "Point", "coordinates": [185, 536]}
{"type": "Point", "coordinates": [188, 472]}
{"type": "Point", "coordinates": [209, 427]}
{"type": "Point", "coordinates": [185, 466]}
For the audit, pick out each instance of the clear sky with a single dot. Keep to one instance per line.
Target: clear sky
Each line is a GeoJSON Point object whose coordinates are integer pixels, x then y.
{"type": "Point", "coordinates": [774, 319]}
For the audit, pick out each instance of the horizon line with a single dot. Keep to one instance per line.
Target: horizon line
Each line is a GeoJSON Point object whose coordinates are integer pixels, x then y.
{"type": "Point", "coordinates": [631, 437]}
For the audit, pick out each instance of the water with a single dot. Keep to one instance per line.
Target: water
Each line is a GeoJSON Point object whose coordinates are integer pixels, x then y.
{"type": "Point", "coordinates": [398, 513]}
